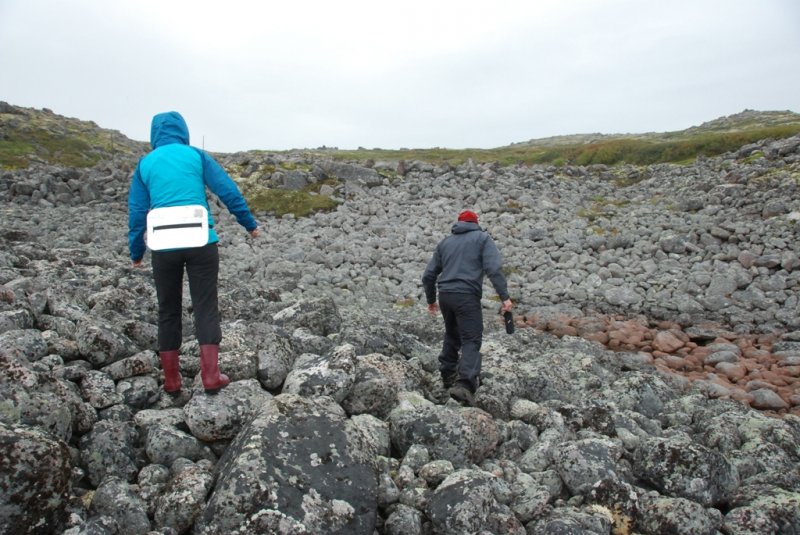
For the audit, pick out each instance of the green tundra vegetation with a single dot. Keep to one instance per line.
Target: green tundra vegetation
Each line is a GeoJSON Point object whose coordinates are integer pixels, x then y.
{"type": "Point", "coordinates": [28, 135]}
{"type": "Point", "coordinates": [635, 150]}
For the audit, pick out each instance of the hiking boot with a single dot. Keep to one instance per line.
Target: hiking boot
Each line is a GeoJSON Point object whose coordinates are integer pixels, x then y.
{"type": "Point", "coordinates": [463, 394]}
{"type": "Point", "coordinates": [449, 379]}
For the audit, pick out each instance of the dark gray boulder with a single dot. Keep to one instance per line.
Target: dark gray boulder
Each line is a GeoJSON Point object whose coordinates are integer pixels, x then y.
{"type": "Point", "coordinates": [35, 470]}
{"type": "Point", "coordinates": [679, 467]}
{"type": "Point", "coordinates": [292, 461]}
{"type": "Point", "coordinates": [111, 449]}
{"type": "Point", "coordinates": [472, 501]}
{"type": "Point", "coordinates": [116, 499]}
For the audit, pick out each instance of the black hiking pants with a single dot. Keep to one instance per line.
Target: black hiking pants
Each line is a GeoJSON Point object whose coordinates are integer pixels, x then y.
{"type": "Point", "coordinates": [202, 267]}
{"type": "Point", "coordinates": [463, 330]}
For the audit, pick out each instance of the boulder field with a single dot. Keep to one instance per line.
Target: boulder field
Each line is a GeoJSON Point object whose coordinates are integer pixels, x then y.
{"type": "Point", "coordinates": [650, 387]}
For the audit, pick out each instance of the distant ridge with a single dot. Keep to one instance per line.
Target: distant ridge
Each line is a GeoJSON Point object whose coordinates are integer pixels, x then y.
{"type": "Point", "coordinates": [738, 122]}
{"type": "Point", "coordinates": [29, 135]}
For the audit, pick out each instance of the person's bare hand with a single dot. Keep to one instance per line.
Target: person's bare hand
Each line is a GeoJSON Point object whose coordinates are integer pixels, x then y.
{"type": "Point", "coordinates": [507, 306]}
{"type": "Point", "coordinates": [254, 233]}
{"type": "Point", "coordinates": [137, 263]}
{"type": "Point", "coordinates": [433, 309]}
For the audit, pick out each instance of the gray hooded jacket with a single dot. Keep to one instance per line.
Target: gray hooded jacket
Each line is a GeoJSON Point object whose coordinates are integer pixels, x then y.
{"type": "Point", "coordinates": [460, 262]}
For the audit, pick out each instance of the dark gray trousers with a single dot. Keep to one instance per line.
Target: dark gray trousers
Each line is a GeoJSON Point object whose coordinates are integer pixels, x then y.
{"type": "Point", "coordinates": [202, 267]}
{"type": "Point", "coordinates": [463, 330]}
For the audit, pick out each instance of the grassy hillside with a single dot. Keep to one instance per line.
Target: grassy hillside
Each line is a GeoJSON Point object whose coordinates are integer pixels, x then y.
{"type": "Point", "coordinates": [28, 135]}
{"type": "Point", "coordinates": [709, 139]}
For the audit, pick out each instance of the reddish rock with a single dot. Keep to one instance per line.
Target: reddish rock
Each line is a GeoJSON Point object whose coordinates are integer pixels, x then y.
{"type": "Point", "coordinates": [667, 342]}
{"type": "Point", "coordinates": [675, 363]}
{"type": "Point", "coordinates": [6, 295]}
{"type": "Point", "coordinates": [787, 371]}
{"type": "Point", "coordinates": [590, 325]}
{"type": "Point", "coordinates": [750, 364]}
{"type": "Point", "coordinates": [676, 353]}
{"type": "Point", "coordinates": [734, 372]}
{"type": "Point", "coordinates": [702, 352]}
{"type": "Point", "coordinates": [560, 329]}
{"type": "Point", "coordinates": [740, 395]}
{"type": "Point", "coordinates": [773, 378]}
{"type": "Point", "coordinates": [537, 322]}
{"type": "Point", "coordinates": [601, 337]}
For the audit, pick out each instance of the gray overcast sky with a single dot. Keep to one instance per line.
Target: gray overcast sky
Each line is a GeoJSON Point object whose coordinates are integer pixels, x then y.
{"type": "Point", "coordinates": [417, 73]}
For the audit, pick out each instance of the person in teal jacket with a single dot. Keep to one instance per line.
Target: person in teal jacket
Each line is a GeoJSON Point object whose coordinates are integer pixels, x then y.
{"type": "Point", "coordinates": [176, 174]}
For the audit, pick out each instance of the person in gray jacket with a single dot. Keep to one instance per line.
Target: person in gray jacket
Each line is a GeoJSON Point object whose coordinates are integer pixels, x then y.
{"type": "Point", "coordinates": [457, 267]}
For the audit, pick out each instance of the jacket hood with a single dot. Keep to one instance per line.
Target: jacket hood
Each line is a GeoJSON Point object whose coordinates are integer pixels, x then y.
{"type": "Point", "coordinates": [464, 226]}
{"type": "Point", "coordinates": [168, 128]}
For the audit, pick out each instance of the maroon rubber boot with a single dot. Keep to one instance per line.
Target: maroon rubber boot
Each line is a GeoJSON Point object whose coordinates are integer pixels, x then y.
{"type": "Point", "coordinates": [172, 372]}
{"type": "Point", "coordinates": [213, 380]}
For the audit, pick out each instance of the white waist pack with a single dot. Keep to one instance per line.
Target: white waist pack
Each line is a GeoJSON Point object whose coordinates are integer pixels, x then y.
{"type": "Point", "coordinates": [177, 227]}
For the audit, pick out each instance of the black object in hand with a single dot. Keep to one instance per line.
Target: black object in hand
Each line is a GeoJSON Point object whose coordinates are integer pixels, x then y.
{"type": "Point", "coordinates": [508, 318]}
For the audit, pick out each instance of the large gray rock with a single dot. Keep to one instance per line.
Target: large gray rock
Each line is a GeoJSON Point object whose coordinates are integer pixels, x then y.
{"type": "Point", "coordinates": [164, 444]}
{"type": "Point", "coordinates": [183, 499]}
{"type": "Point", "coordinates": [116, 499]}
{"type": "Point", "coordinates": [110, 449]}
{"type": "Point", "coordinates": [471, 501]}
{"type": "Point", "coordinates": [294, 461]}
{"type": "Point", "coordinates": [31, 398]}
{"type": "Point", "coordinates": [323, 375]}
{"type": "Point", "coordinates": [101, 343]}
{"type": "Point", "coordinates": [461, 436]}
{"type": "Point", "coordinates": [377, 382]}
{"type": "Point", "coordinates": [763, 509]}
{"type": "Point", "coordinates": [35, 471]}
{"type": "Point", "coordinates": [319, 315]}
{"type": "Point", "coordinates": [681, 468]}
{"type": "Point", "coordinates": [27, 344]}
{"type": "Point", "coordinates": [221, 417]}
{"type": "Point", "coordinates": [583, 463]}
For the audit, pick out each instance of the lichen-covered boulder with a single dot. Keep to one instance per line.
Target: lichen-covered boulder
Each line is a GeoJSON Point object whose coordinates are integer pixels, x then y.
{"type": "Point", "coordinates": [679, 467]}
{"type": "Point", "coordinates": [472, 501]}
{"type": "Point", "coordinates": [454, 434]}
{"type": "Point", "coordinates": [593, 520]}
{"type": "Point", "coordinates": [102, 343]}
{"type": "Point", "coordinates": [678, 516]}
{"type": "Point", "coordinates": [164, 444]}
{"type": "Point", "coordinates": [323, 375]}
{"type": "Point", "coordinates": [35, 472]}
{"type": "Point", "coordinates": [183, 498]}
{"type": "Point", "coordinates": [38, 399]}
{"type": "Point", "coordinates": [220, 417]}
{"type": "Point", "coordinates": [292, 463]}
{"type": "Point", "coordinates": [274, 359]}
{"type": "Point", "coordinates": [583, 463]}
{"type": "Point", "coordinates": [110, 449]}
{"type": "Point", "coordinates": [142, 363]}
{"type": "Point", "coordinates": [378, 380]}
{"type": "Point", "coordinates": [26, 344]}
{"type": "Point", "coordinates": [116, 499]}
{"type": "Point", "coordinates": [319, 315]}
{"type": "Point", "coordinates": [763, 509]}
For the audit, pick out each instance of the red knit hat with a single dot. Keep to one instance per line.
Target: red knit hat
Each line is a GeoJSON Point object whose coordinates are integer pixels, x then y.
{"type": "Point", "coordinates": [469, 216]}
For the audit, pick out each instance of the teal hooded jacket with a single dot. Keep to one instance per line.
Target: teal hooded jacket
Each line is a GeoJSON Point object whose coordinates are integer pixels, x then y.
{"type": "Point", "coordinates": [177, 174]}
